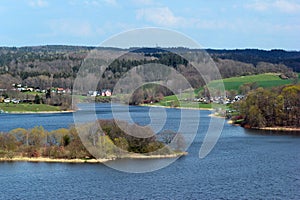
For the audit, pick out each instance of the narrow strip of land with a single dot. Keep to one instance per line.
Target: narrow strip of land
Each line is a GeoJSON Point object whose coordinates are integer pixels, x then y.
{"type": "Point", "coordinates": [102, 160]}
{"type": "Point", "coordinates": [41, 112]}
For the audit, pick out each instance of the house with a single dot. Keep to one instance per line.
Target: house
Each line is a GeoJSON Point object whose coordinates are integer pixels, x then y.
{"type": "Point", "coordinates": [237, 98]}
{"type": "Point", "coordinates": [30, 89]}
{"type": "Point", "coordinates": [106, 92]}
{"type": "Point", "coordinates": [92, 93]}
{"type": "Point", "coordinates": [15, 101]}
{"type": "Point", "coordinates": [60, 90]}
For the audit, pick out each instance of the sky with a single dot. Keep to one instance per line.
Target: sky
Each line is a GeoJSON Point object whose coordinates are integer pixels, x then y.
{"type": "Point", "coordinates": [219, 24]}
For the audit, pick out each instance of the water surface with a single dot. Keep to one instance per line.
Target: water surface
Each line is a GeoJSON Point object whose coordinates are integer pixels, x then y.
{"type": "Point", "coordinates": [242, 165]}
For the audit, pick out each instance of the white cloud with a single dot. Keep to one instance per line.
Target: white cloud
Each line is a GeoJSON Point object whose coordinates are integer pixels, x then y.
{"type": "Point", "coordinates": [286, 6]}
{"type": "Point", "coordinates": [278, 5]}
{"type": "Point", "coordinates": [93, 3]}
{"type": "Point", "coordinates": [143, 2]}
{"type": "Point", "coordinates": [162, 16]}
{"type": "Point", "coordinates": [38, 3]}
{"type": "Point", "coordinates": [111, 2]}
{"type": "Point", "coordinates": [70, 27]}
{"type": "Point", "coordinates": [258, 5]}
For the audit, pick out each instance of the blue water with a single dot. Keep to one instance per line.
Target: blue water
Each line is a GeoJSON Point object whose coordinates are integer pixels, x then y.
{"type": "Point", "coordinates": [242, 165]}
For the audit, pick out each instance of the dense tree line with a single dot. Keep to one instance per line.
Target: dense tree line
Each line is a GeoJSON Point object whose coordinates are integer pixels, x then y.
{"type": "Point", "coordinates": [254, 56]}
{"type": "Point", "coordinates": [279, 106]}
{"type": "Point", "coordinates": [111, 141]}
{"type": "Point", "coordinates": [232, 68]}
{"type": "Point", "coordinates": [37, 142]}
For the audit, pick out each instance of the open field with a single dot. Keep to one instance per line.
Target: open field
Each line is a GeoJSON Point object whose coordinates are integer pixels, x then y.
{"type": "Point", "coordinates": [22, 107]}
{"type": "Point", "coordinates": [263, 80]}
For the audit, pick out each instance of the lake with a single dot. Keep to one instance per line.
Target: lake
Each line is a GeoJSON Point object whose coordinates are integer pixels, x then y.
{"type": "Point", "coordinates": [244, 164]}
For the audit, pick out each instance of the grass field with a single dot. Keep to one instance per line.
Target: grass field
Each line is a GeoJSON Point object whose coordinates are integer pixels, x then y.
{"type": "Point", "coordinates": [27, 107]}
{"type": "Point", "coordinates": [262, 80]}
{"type": "Point", "coordinates": [172, 101]}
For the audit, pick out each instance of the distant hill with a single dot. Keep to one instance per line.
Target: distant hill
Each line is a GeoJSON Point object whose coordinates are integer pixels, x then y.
{"type": "Point", "coordinates": [57, 65]}
{"type": "Point", "coordinates": [289, 58]}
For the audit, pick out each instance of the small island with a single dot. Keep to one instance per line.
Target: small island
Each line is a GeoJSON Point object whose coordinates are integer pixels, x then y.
{"type": "Point", "coordinates": [86, 143]}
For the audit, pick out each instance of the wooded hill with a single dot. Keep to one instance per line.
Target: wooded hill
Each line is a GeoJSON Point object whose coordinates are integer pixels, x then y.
{"type": "Point", "coordinates": [253, 56]}
{"type": "Point", "coordinates": [57, 65]}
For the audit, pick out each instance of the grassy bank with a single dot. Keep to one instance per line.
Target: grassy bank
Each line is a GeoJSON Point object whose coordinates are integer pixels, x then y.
{"type": "Point", "coordinates": [23, 108]}
{"type": "Point", "coordinates": [173, 102]}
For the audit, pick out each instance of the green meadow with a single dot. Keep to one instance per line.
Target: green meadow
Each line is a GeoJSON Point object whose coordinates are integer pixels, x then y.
{"type": "Point", "coordinates": [28, 107]}
{"type": "Point", "coordinates": [263, 80]}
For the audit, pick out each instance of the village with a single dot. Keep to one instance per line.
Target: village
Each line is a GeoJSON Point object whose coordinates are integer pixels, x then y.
{"type": "Point", "coordinates": [220, 99]}
{"type": "Point", "coordinates": [24, 94]}
{"type": "Point", "coordinates": [14, 95]}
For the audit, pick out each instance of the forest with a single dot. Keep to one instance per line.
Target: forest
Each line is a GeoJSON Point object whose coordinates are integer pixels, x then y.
{"type": "Point", "coordinates": [254, 56]}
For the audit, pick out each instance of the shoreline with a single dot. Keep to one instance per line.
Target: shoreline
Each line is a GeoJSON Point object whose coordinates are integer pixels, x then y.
{"type": "Point", "coordinates": [276, 128]}
{"type": "Point", "coordinates": [52, 160]}
{"type": "Point", "coordinates": [58, 160]}
{"type": "Point", "coordinates": [187, 108]}
{"type": "Point", "coordinates": [40, 112]}
{"type": "Point", "coordinates": [72, 111]}
{"type": "Point", "coordinates": [217, 116]}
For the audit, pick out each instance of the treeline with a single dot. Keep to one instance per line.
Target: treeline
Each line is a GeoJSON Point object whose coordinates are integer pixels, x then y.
{"type": "Point", "coordinates": [111, 142]}
{"type": "Point", "coordinates": [279, 106]}
{"type": "Point", "coordinates": [37, 142]}
{"type": "Point", "coordinates": [232, 68]}
{"type": "Point", "coordinates": [290, 59]}
{"type": "Point", "coordinates": [151, 93]}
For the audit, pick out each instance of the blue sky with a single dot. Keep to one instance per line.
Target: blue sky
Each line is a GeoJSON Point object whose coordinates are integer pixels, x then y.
{"type": "Point", "coordinates": [230, 24]}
